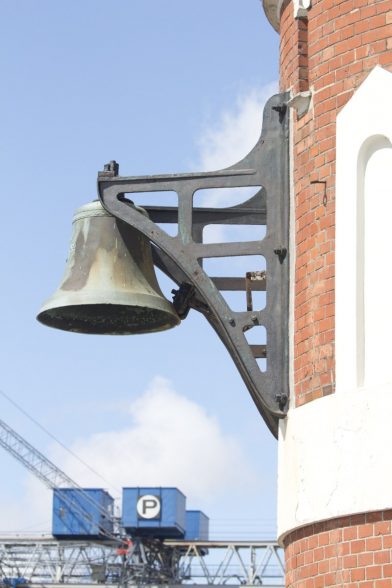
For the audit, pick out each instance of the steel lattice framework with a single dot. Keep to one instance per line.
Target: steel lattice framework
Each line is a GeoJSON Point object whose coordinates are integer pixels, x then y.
{"type": "Point", "coordinates": [32, 459]}
{"type": "Point", "coordinates": [45, 561]}
{"type": "Point", "coordinates": [122, 561]}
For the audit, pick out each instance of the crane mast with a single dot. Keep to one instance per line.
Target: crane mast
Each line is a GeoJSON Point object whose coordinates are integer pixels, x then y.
{"type": "Point", "coordinates": [33, 459]}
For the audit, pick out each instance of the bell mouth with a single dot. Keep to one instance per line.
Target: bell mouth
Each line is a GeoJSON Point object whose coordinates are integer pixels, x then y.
{"type": "Point", "coordinates": [108, 319]}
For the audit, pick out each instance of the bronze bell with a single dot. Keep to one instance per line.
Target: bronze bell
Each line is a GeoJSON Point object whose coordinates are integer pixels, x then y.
{"type": "Point", "coordinates": [109, 286]}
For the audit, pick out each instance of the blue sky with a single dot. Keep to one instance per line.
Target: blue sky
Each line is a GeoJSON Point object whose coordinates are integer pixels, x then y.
{"type": "Point", "coordinates": [160, 87]}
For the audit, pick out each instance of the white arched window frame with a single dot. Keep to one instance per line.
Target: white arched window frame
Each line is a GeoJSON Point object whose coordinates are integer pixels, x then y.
{"type": "Point", "coordinates": [363, 226]}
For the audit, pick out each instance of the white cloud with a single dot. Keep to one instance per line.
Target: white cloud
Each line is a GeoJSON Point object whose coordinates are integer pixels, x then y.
{"type": "Point", "coordinates": [170, 441]}
{"type": "Point", "coordinates": [231, 137]}
{"type": "Point", "coordinates": [226, 141]}
{"type": "Point", "coordinates": [29, 513]}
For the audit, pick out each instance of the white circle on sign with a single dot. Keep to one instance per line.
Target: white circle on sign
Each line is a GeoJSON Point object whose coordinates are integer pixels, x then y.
{"type": "Point", "coordinates": [148, 507]}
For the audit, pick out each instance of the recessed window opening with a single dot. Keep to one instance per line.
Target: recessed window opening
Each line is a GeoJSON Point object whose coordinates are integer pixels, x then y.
{"type": "Point", "coordinates": [376, 278]}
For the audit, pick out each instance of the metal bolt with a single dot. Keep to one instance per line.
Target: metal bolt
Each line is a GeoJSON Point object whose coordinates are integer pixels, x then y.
{"type": "Point", "coordinates": [254, 318]}
{"type": "Point", "coordinates": [281, 252]}
{"type": "Point", "coordinates": [232, 322]}
{"type": "Point", "coordinates": [112, 167]}
{"type": "Point", "coordinates": [281, 399]}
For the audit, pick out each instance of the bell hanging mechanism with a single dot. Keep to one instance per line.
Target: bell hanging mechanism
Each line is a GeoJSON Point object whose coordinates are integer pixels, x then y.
{"type": "Point", "coordinates": [110, 284]}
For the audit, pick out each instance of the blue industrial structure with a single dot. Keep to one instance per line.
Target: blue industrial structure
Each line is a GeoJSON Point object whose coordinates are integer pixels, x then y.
{"type": "Point", "coordinates": [14, 582]}
{"type": "Point", "coordinates": [146, 512]}
{"type": "Point", "coordinates": [158, 512]}
{"type": "Point", "coordinates": [83, 513]}
{"type": "Point", "coordinates": [196, 526]}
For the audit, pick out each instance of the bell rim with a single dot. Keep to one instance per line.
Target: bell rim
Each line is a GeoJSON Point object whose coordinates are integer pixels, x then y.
{"type": "Point", "coordinates": [62, 298]}
{"type": "Point", "coordinates": [54, 318]}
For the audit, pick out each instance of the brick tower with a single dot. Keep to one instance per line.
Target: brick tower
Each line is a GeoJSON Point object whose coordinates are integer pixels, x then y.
{"type": "Point", "coordinates": [335, 447]}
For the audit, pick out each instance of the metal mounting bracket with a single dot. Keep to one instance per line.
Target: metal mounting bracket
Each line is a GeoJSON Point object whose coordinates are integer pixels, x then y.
{"type": "Point", "coordinates": [181, 257]}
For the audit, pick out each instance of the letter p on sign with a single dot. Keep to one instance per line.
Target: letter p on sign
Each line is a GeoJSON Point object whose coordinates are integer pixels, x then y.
{"type": "Point", "coordinates": [148, 507]}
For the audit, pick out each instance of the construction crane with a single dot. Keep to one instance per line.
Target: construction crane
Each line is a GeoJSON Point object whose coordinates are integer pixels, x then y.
{"type": "Point", "coordinates": [117, 559]}
{"type": "Point", "coordinates": [53, 477]}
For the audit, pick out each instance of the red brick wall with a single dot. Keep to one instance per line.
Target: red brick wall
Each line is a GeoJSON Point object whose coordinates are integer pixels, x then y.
{"type": "Point", "coordinates": [331, 54]}
{"type": "Point", "coordinates": [353, 551]}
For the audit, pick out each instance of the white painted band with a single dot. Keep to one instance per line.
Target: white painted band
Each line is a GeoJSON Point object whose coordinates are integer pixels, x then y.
{"type": "Point", "coordinates": [335, 458]}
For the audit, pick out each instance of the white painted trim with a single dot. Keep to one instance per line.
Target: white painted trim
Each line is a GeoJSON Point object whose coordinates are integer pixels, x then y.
{"type": "Point", "coordinates": [363, 126]}
{"type": "Point", "coordinates": [273, 8]}
{"type": "Point", "coordinates": [301, 8]}
{"type": "Point", "coordinates": [301, 103]}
